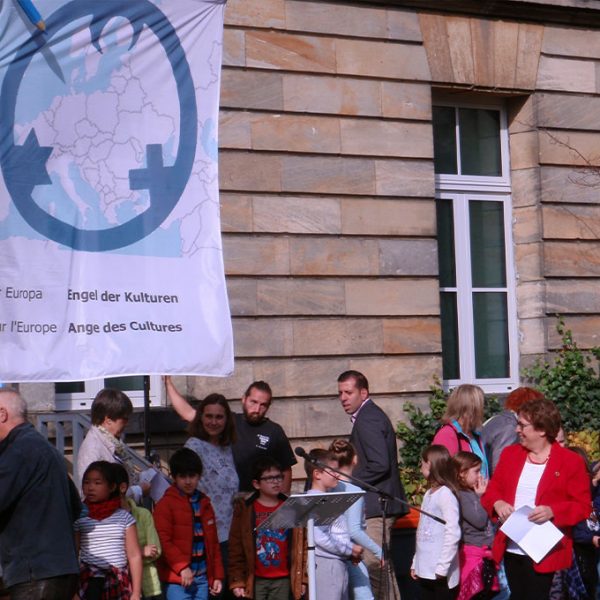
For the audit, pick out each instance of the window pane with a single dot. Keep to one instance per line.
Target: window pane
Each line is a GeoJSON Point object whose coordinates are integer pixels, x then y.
{"type": "Point", "coordinates": [444, 139]}
{"type": "Point", "coordinates": [479, 142]}
{"type": "Point", "coordinates": [491, 335]}
{"type": "Point", "coordinates": [450, 361]}
{"type": "Point", "coordinates": [125, 384]}
{"type": "Point", "coordinates": [488, 256]}
{"type": "Point", "coordinates": [69, 387]}
{"type": "Point", "coordinates": [445, 232]}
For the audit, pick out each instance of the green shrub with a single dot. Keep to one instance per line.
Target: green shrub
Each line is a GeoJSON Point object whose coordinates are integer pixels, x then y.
{"type": "Point", "coordinates": [570, 379]}
{"type": "Point", "coordinates": [416, 435]}
{"type": "Point", "coordinates": [421, 427]}
{"type": "Point", "coordinates": [587, 440]}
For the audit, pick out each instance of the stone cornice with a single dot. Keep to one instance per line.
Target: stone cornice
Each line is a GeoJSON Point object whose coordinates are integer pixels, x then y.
{"type": "Point", "coordinates": [582, 13]}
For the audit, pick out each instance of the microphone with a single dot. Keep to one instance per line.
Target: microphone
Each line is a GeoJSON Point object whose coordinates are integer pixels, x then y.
{"type": "Point", "coordinates": [299, 451]}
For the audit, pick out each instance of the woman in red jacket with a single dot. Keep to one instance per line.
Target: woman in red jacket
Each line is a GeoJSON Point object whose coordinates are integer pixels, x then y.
{"type": "Point", "coordinates": [537, 472]}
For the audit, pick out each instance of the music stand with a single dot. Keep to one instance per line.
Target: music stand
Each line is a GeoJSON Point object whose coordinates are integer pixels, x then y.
{"type": "Point", "coordinates": [308, 510]}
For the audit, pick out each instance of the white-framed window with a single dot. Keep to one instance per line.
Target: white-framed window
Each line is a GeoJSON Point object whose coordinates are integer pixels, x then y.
{"type": "Point", "coordinates": [79, 395]}
{"type": "Point", "coordinates": [476, 272]}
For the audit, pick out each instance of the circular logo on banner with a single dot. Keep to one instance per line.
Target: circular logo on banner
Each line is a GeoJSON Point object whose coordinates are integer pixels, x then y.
{"type": "Point", "coordinates": [24, 167]}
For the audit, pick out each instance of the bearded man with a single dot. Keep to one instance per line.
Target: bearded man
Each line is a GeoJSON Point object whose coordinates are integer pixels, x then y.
{"type": "Point", "coordinates": [258, 436]}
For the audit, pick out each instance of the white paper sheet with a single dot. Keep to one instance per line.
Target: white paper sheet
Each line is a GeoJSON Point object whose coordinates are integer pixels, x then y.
{"type": "Point", "coordinates": [158, 483]}
{"type": "Point", "coordinates": [535, 540]}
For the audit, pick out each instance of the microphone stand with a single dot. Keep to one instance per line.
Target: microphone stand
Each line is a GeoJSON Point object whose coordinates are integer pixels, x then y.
{"type": "Point", "coordinates": [383, 495]}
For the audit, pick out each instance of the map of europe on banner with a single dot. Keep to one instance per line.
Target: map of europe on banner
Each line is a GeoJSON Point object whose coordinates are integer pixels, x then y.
{"type": "Point", "coordinates": [110, 247]}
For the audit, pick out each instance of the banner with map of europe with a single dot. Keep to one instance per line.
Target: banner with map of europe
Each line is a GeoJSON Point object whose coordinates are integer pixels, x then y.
{"type": "Point", "coordinates": [110, 246]}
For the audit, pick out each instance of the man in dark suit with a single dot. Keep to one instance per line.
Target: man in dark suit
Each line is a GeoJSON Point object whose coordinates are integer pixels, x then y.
{"type": "Point", "coordinates": [375, 442]}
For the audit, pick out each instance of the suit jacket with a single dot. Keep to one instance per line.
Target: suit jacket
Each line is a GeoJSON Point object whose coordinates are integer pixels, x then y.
{"type": "Point", "coordinates": [375, 441]}
{"type": "Point", "coordinates": [564, 487]}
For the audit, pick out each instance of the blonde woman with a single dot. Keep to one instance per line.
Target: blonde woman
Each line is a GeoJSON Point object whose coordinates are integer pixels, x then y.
{"type": "Point", "coordinates": [461, 423]}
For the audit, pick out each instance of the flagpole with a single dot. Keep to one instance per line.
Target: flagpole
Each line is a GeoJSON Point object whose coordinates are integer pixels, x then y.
{"type": "Point", "coordinates": [147, 416]}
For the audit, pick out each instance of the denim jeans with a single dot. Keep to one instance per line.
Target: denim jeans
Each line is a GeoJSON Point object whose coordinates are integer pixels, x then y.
{"type": "Point", "coordinates": [197, 591]}
{"type": "Point", "coordinates": [359, 583]}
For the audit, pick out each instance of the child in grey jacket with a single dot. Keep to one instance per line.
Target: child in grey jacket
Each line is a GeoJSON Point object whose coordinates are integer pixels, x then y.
{"type": "Point", "coordinates": [476, 527]}
{"type": "Point", "coordinates": [334, 548]}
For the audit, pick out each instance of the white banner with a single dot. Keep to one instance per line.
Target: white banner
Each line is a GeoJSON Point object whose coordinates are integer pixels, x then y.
{"type": "Point", "coordinates": [110, 246]}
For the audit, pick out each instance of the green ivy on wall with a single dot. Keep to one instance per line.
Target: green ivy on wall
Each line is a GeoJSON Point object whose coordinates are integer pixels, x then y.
{"type": "Point", "coordinates": [571, 380]}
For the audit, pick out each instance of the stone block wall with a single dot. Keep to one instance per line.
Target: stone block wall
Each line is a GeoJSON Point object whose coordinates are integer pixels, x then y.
{"type": "Point", "coordinates": [327, 208]}
{"type": "Point", "coordinates": [568, 116]}
{"type": "Point", "coordinates": [327, 191]}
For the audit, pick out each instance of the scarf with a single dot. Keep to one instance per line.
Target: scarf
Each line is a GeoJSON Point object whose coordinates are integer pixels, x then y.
{"type": "Point", "coordinates": [102, 510]}
{"type": "Point", "coordinates": [475, 446]}
{"type": "Point", "coordinates": [120, 452]}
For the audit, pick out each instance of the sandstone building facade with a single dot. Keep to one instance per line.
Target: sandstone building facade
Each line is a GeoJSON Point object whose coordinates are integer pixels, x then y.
{"type": "Point", "coordinates": [406, 191]}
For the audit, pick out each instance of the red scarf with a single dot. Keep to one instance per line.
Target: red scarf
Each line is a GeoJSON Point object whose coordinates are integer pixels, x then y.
{"type": "Point", "coordinates": [102, 510]}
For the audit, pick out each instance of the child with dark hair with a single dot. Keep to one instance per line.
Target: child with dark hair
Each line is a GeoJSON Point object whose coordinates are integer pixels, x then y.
{"type": "Point", "coordinates": [265, 564]}
{"type": "Point", "coordinates": [435, 564]}
{"type": "Point", "coordinates": [107, 540]}
{"type": "Point", "coordinates": [190, 565]}
{"type": "Point", "coordinates": [334, 548]}
{"type": "Point", "coordinates": [147, 536]}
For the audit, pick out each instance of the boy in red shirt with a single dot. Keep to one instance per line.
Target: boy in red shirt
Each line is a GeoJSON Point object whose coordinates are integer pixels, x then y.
{"type": "Point", "coordinates": [265, 564]}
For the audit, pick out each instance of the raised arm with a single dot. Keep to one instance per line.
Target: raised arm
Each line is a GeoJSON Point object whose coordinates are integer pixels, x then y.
{"type": "Point", "coordinates": [180, 404]}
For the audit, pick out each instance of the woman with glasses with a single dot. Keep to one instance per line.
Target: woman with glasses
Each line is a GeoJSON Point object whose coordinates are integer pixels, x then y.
{"type": "Point", "coordinates": [539, 473]}
{"type": "Point", "coordinates": [499, 431]}
{"type": "Point", "coordinates": [212, 431]}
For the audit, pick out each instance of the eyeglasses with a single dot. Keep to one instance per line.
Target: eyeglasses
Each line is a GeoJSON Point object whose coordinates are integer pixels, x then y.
{"type": "Point", "coordinates": [272, 478]}
{"type": "Point", "coordinates": [521, 425]}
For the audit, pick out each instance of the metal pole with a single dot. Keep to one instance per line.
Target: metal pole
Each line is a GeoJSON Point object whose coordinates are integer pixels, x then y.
{"type": "Point", "coordinates": [312, 562]}
{"type": "Point", "coordinates": [147, 416]}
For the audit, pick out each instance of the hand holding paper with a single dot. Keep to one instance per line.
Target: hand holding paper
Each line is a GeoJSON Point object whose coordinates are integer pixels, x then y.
{"type": "Point", "coordinates": [541, 514]}
{"type": "Point", "coordinates": [536, 540]}
{"type": "Point", "coordinates": [503, 509]}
